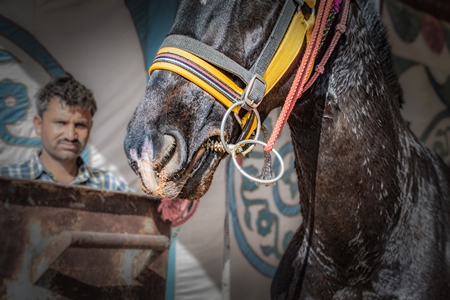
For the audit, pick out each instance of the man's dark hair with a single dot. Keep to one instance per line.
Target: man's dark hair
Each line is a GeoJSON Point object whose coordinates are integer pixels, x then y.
{"type": "Point", "coordinates": [70, 91]}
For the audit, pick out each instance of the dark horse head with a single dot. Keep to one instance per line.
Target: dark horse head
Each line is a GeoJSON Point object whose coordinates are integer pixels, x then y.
{"type": "Point", "coordinates": [173, 136]}
{"type": "Point", "coordinates": [375, 201]}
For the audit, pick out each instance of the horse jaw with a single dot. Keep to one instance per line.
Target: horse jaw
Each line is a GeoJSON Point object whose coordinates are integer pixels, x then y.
{"type": "Point", "coordinates": [172, 141]}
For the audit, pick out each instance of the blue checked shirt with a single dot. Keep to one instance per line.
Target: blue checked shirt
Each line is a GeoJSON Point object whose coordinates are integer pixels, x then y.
{"type": "Point", "coordinates": [91, 177]}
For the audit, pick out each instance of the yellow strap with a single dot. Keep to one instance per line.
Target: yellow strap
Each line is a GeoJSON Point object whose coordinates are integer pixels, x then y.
{"type": "Point", "coordinates": [311, 3]}
{"type": "Point", "coordinates": [198, 81]}
{"type": "Point", "coordinates": [288, 50]}
{"type": "Point", "coordinates": [201, 83]}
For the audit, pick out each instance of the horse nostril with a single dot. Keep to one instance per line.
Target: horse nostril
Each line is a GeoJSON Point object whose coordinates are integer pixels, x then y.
{"type": "Point", "coordinates": [166, 153]}
{"type": "Point", "coordinates": [163, 153]}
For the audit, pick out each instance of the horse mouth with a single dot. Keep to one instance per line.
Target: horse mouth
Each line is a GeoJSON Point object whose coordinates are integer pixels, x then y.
{"type": "Point", "coordinates": [189, 182]}
{"type": "Point", "coordinates": [212, 148]}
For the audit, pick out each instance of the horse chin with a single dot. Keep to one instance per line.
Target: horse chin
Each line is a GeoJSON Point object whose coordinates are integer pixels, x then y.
{"type": "Point", "coordinates": [191, 182]}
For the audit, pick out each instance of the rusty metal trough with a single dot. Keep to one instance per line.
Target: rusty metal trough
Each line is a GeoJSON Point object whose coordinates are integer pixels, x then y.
{"type": "Point", "coordinates": [68, 242]}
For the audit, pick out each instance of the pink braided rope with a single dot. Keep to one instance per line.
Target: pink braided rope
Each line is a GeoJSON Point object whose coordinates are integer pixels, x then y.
{"type": "Point", "coordinates": [340, 29]}
{"type": "Point", "coordinates": [301, 77]}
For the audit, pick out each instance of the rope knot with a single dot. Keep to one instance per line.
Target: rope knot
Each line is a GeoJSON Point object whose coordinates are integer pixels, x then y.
{"type": "Point", "coordinates": [320, 69]}
{"type": "Point", "coordinates": [341, 28]}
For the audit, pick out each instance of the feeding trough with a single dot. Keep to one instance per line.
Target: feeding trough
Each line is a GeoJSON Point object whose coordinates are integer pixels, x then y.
{"type": "Point", "coordinates": [71, 242]}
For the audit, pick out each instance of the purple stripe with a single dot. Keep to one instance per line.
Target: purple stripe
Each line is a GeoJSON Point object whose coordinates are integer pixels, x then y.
{"type": "Point", "coordinates": [197, 70]}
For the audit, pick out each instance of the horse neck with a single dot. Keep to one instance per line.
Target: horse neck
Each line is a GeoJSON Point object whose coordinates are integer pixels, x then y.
{"type": "Point", "coordinates": [345, 133]}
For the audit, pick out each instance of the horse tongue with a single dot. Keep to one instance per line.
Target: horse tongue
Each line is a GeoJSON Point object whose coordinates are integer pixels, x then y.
{"type": "Point", "coordinates": [173, 210]}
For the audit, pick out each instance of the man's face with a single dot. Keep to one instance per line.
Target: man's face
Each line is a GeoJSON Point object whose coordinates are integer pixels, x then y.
{"type": "Point", "coordinates": [64, 130]}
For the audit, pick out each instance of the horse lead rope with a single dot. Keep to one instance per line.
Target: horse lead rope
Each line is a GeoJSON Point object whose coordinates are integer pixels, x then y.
{"type": "Point", "coordinates": [299, 85]}
{"type": "Point", "coordinates": [340, 29]}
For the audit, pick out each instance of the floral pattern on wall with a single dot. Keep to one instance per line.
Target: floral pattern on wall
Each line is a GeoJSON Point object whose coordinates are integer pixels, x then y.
{"type": "Point", "coordinates": [420, 46]}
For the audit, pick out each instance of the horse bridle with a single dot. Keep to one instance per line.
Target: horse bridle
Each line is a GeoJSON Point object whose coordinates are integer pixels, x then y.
{"type": "Point", "coordinates": [202, 65]}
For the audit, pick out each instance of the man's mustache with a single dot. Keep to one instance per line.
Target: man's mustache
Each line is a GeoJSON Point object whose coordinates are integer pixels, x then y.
{"type": "Point", "coordinates": [75, 142]}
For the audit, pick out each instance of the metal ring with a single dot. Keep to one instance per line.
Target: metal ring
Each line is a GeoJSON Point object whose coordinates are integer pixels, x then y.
{"type": "Point", "coordinates": [258, 128]}
{"type": "Point", "coordinates": [222, 129]}
{"type": "Point", "coordinates": [258, 180]}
